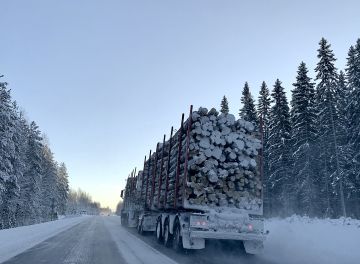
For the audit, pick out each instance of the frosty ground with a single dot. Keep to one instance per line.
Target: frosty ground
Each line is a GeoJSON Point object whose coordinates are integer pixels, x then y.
{"type": "Point", "coordinates": [301, 240]}
{"type": "Point", "coordinates": [103, 240]}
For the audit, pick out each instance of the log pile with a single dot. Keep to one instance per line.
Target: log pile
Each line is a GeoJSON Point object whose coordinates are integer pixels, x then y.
{"type": "Point", "coordinates": [222, 165]}
{"type": "Point", "coordinates": [132, 200]}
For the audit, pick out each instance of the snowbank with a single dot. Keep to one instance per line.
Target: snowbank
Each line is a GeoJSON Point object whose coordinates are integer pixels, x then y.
{"type": "Point", "coordinates": [301, 240]}
{"type": "Point", "coordinates": [16, 240]}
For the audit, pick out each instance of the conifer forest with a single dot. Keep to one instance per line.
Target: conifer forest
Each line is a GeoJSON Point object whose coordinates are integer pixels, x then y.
{"type": "Point", "coordinates": [311, 148]}
{"type": "Point", "coordinates": [34, 187]}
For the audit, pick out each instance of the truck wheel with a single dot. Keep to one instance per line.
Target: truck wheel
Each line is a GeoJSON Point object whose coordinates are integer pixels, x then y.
{"type": "Point", "coordinates": [168, 238]}
{"type": "Point", "coordinates": [177, 241]}
{"type": "Point", "coordinates": [158, 231]}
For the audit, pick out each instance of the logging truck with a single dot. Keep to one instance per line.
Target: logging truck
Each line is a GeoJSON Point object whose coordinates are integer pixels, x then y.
{"type": "Point", "coordinates": [204, 182]}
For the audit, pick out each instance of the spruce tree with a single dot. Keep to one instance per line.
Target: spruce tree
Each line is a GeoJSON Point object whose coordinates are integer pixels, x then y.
{"type": "Point", "coordinates": [279, 152]}
{"type": "Point", "coordinates": [18, 163]}
{"type": "Point", "coordinates": [8, 180]}
{"type": "Point", "coordinates": [263, 110]}
{"type": "Point", "coordinates": [224, 106]}
{"type": "Point", "coordinates": [22, 150]}
{"type": "Point", "coordinates": [353, 111]}
{"type": "Point", "coordinates": [326, 97]}
{"type": "Point", "coordinates": [303, 138]}
{"type": "Point", "coordinates": [248, 111]}
{"type": "Point", "coordinates": [30, 196]}
{"type": "Point", "coordinates": [263, 107]}
{"type": "Point", "coordinates": [49, 185]}
{"type": "Point", "coordinates": [343, 97]}
{"type": "Point", "coordinates": [63, 187]}
{"type": "Point", "coordinates": [346, 152]}
{"type": "Point", "coordinates": [33, 188]}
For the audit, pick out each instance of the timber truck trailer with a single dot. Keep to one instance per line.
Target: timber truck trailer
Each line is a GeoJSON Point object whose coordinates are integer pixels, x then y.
{"type": "Point", "coordinates": [205, 182]}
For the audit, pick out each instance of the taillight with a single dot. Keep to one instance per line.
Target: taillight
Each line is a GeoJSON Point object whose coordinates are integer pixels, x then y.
{"type": "Point", "coordinates": [250, 227]}
{"type": "Point", "coordinates": [201, 223]}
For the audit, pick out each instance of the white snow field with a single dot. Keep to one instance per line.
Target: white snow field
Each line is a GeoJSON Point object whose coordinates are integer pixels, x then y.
{"type": "Point", "coordinates": [301, 240]}
{"type": "Point", "coordinates": [16, 240]}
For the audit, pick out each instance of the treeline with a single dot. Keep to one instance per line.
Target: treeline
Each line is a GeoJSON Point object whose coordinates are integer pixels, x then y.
{"type": "Point", "coordinates": [312, 146]}
{"type": "Point", "coordinates": [33, 186]}
{"type": "Point", "coordinates": [80, 202]}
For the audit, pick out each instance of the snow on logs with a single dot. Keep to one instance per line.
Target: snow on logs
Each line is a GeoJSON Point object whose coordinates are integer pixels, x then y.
{"type": "Point", "coordinates": [222, 165]}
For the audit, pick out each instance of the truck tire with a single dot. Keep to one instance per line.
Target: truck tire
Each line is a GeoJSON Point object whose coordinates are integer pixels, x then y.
{"type": "Point", "coordinates": [168, 237]}
{"type": "Point", "coordinates": [177, 240]}
{"type": "Point", "coordinates": [158, 231]}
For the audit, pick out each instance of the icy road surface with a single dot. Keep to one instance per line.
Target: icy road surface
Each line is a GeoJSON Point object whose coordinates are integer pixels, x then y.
{"type": "Point", "coordinates": [97, 240]}
{"type": "Point", "coordinates": [94, 240]}
{"type": "Point", "coordinates": [16, 240]}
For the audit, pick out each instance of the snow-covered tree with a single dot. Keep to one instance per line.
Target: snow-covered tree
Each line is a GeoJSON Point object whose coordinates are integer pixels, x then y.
{"type": "Point", "coordinates": [264, 102]}
{"type": "Point", "coordinates": [49, 185]}
{"type": "Point", "coordinates": [279, 152]}
{"type": "Point", "coordinates": [29, 210]}
{"type": "Point", "coordinates": [33, 188]}
{"type": "Point", "coordinates": [248, 111]}
{"type": "Point", "coordinates": [21, 167]}
{"type": "Point", "coordinates": [346, 152]}
{"type": "Point", "coordinates": [263, 111]}
{"type": "Point", "coordinates": [303, 143]}
{"type": "Point", "coordinates": [19, 139]}
{"type": "Point", "coordinates": [63, 187]}
{"type": "Point", "coordinates": [224, 106]}
{"type": "Point", "coordinates": [353, 111]}
{"type": "Point", "coordinates": [327, 108]}
{"type": "Point", "coordinates": [8, 178]}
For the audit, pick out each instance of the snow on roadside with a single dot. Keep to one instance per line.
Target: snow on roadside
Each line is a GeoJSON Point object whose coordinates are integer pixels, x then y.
{"type": "Point", "coordinates": [301, 240]}
{"type": "Point", "coordinates": [16, 240]}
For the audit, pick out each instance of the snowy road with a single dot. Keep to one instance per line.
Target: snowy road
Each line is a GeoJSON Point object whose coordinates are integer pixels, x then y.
{"type": "Point", "coordinates": [95, 240]}
{"type": "Point", "coordinates": [98, 240]}
{"type": "Point", "coordinates": [102, 240]}
{"type": "Point", "coordinates": [87, 242]}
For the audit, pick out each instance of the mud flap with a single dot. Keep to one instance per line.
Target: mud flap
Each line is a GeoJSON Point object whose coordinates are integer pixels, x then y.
{"type": "Point", "coordinates": [193, 243]}
{"type": "Point", "coordinates": [132, 220]}
{"type": "Point", "coordinates": [253, 247]}
{"type": "Point", "coordinates": [149, 222]}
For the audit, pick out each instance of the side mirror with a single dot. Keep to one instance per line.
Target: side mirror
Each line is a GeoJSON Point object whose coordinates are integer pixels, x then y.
{"type": "Point", "coordinates": [122, 194]}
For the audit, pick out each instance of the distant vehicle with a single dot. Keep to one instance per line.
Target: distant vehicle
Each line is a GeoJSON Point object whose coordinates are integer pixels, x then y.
{"type": "Point", "coordinates": [184, 207]}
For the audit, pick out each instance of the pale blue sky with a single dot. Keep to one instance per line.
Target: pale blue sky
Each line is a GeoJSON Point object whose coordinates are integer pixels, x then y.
{"type": "Point", "coordinates": [106, 79]}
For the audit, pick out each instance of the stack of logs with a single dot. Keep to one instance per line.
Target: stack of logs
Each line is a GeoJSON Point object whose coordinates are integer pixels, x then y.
{"type": "Point", "coordinates": [221, 155]}
{"type": "Point", "coordinates": [130, 192]}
